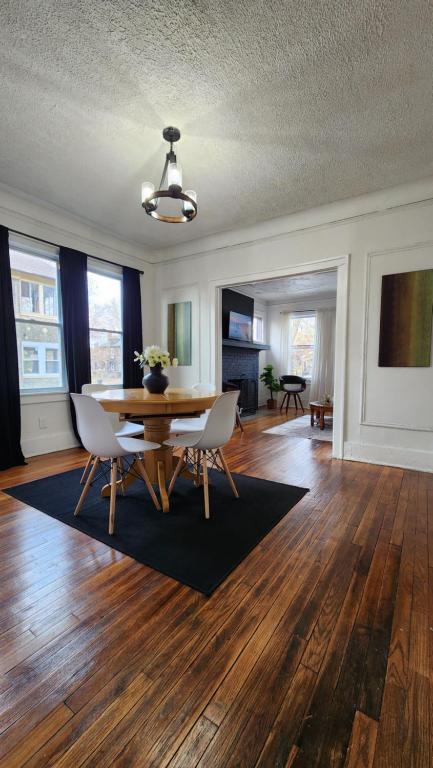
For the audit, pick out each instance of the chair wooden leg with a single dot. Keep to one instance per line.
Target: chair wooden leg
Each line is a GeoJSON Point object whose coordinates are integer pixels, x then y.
{"type": "Point", "coordinates": [288, 402]}
{"type": "Point", "coordinates": [176, 472]}
{"type": "Point", "coordinates": [85, 490]}
{"type": "Point", "coordinates": [149, 485]}
{"type": "Point", "coordinates": [86, 468]}
{"type": "Point", "coordinates": [300, 403]}
{"type": "Point", "coordinates": [205, 485]}
{"type": "Point", "coordinates": [283, 401]}
{"type": "Point", "coordinates": [238, 420]}
{"type": "Point", "coordinates": [113, 491]}
{"type": "Point", "coordinates": [228, 473]}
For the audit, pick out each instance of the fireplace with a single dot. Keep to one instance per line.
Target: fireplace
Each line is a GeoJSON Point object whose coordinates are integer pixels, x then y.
{"type": "Point", "coordinates": [240, 359]}
{"type": "Point", "coordinates": [240, 370]}
{"type": "Point", "coordinates": [248, 393]}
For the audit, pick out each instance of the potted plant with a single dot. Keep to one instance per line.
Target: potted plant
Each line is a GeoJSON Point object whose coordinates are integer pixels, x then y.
{"type": "Point", "coordinates": [156, 382]}
{"type": "Point", "coordinates": [269, 380]}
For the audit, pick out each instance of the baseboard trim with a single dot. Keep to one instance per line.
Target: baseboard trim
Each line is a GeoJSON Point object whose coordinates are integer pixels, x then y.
{"type": "Point", "coordinates": [37, 446]}
{"type": "Point", "coordinates": [388, 456]}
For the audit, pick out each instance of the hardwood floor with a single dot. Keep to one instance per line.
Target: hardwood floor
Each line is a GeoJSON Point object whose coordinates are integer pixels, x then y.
{"type": "Point", "coordinates": [315, 651]}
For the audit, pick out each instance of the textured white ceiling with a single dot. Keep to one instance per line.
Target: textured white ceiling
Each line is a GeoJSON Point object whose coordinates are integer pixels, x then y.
{"type": "Point", "coordinates": [313, 285]}
{"type": "Point", "coordinates": [283, 104]}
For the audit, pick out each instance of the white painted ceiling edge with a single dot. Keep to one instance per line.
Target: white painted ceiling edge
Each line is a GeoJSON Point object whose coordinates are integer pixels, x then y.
{"type": "Point", "coordinates": [413, 193]}
{"type": "Point", "coordinates": [36, 218]}
{"type": "Point", "coordinates": [20, 210]}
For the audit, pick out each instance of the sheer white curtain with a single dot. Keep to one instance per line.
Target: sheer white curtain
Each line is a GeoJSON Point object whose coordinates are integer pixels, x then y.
{"type": "Point", "coordinates": [322, 377]}
{"type": "Point", "coordinates": [284, 361]}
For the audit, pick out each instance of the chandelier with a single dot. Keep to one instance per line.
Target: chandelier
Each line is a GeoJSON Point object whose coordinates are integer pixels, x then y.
{"type": "Point", "coordinates": [172, 174]}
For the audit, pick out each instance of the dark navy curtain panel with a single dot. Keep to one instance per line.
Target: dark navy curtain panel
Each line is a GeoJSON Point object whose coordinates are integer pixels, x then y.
{"type": "Point", "coordinates": [10, 407]}
{"type": "Point", "coordinates": [75, 306]}
{"type": "Point", "coordinates": [132, 327]}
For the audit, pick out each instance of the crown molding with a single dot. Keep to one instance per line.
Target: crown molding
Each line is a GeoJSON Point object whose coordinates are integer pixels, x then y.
{"type": "Point", "coordinates": [24, 213]}
{"type": "Point", "coordinates": [380, 203]}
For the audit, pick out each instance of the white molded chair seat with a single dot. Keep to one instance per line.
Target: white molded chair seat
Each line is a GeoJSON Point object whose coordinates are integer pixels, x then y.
{"type": "Point", "coordinates": [120, 428]}
{"type": "Point", "coordinates": [129, 429]}
{"type": "Point", "coordinates": [216, 433]}
{"type": "Point", "coordinates": [98, 438]}
{"type": "Point", "coordinates": [195, 423]}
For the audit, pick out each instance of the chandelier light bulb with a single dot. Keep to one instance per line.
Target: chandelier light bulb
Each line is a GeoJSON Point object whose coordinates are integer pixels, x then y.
{"type": "Point", "coordinates": [174, 175]}
{"type": "Point", "coordinates": [147, 190]}
{"type": "Point", "coordinates": [188, 209]}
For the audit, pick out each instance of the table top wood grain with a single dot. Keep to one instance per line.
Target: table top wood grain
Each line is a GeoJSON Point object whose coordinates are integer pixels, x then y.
{"type": "Point", "coordinates": [174, 401]}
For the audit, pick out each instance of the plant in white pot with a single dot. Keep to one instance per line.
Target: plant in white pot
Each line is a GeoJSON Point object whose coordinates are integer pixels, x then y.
{"type": "Point", "coordinates": [156, 382]}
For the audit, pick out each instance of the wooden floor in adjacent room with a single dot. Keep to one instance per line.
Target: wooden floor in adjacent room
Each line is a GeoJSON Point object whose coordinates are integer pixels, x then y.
{"type": "Point", "coordinates": [314, 651]}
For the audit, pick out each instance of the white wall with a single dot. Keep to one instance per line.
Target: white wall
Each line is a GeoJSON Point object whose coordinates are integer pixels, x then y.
{"type": "Point", "coordinates": [393, 219]}
{"type": "Point", "coordinates": [46, 422]}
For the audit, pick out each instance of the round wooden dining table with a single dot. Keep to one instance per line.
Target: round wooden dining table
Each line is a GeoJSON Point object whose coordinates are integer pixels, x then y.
{"type": "Point", "coordinates": [157, 413]}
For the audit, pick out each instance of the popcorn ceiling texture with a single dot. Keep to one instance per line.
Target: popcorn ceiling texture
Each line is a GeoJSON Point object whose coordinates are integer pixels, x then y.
{"type": "Point", "coordinates": [283, 105]}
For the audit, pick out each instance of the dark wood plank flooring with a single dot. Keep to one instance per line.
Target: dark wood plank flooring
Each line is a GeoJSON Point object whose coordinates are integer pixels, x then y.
{"type": "Point", "coordinates": [316, 651]}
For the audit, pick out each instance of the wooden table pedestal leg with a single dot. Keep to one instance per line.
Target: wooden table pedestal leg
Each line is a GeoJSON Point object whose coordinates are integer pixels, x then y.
{"type": "Point", "coordinates": [159, 463]}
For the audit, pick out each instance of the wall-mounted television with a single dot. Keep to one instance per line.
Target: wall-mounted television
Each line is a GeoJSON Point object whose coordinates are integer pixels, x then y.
{"type": "Point", "coordinates": [240, 327]}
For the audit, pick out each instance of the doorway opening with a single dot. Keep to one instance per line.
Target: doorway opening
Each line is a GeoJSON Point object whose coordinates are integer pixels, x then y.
{"type": "Point", "coordinates": [297, 324]}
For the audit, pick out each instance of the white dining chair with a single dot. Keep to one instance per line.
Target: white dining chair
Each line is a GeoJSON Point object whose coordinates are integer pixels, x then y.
{"type": "Point", "coordinates": [196, 423]}
{"type": "Point", "coordinates": [97, 436]}
{"type": "Point", "coordinates": [207, 445]}
{"type": "Point", "coordinates": [120, 428]}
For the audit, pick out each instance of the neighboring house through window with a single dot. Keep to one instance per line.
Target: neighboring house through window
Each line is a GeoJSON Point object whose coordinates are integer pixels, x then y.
{"type": "Point", "coordinates": [38, 317]}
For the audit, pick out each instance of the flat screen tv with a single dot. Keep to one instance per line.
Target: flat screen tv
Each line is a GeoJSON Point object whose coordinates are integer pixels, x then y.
{"type": "Point", "coordinates": [240, 327]}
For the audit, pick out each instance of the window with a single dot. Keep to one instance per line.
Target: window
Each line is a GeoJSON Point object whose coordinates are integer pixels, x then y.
{"type": "Point", "coordinates": [258, 329]}
{"type": "Point", "coordinates": [302, 340]}
{"type": "Point", "coordinates": [30, 360]}
{"type": "Point", "coordinates": [105, 323]}
{"type": "Point", "coordinates": [49, 300]}
{"type": "Point", "coordinates": [36, 294]}
{"type": "Point", "coordinates": [52, 362]}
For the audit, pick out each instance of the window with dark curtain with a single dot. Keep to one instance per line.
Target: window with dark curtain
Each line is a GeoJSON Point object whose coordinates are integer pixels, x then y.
{"type": "Point", "coordinates": [132, 327]}
{"type": "Point", "coordinates": [75, 304]}
{"type": "Point", "coordinates": [10, 405]}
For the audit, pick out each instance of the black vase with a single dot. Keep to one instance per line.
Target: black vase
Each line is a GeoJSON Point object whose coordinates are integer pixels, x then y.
{"type": "Point", "coordinates": [156, 382]}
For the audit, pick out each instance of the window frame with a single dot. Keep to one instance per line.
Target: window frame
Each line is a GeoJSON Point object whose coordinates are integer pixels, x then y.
{"type": "Point", "coordinates": [41, 348]}
{"type": "Point", "coordinates": [46, 252]}
{"type": "Point", "coordinates": [116, 273]}
{"type": "Point", "coordinates": [298, 316]}
{"type": "Point", "coordinates": [259, 316]}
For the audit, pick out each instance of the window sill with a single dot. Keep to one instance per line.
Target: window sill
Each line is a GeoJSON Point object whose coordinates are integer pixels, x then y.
{"type": "Point", "coordinates": [32, 398]}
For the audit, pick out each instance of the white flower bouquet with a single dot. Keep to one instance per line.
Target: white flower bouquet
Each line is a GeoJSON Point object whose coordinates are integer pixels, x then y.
{"type": "Point", "coordinates": [153, 356]}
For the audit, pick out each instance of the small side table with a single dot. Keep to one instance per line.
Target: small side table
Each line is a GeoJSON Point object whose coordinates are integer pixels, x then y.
{"type": "Point", "coordinates": [317, 411]}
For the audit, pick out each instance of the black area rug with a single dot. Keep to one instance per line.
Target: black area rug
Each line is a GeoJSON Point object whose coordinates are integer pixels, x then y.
{"type": "Point", "coordinates": [182, 544]}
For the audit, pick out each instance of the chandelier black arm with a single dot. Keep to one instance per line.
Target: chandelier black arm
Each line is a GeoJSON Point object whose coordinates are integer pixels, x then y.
{"type": "Point", "coordinates": [164, 172]}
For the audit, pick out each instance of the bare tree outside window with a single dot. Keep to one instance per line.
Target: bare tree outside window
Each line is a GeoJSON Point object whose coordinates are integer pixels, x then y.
{"type": "Point", "coordinates": [105, 323]}
{"type": "Point", "coordinates": [302, 341]}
